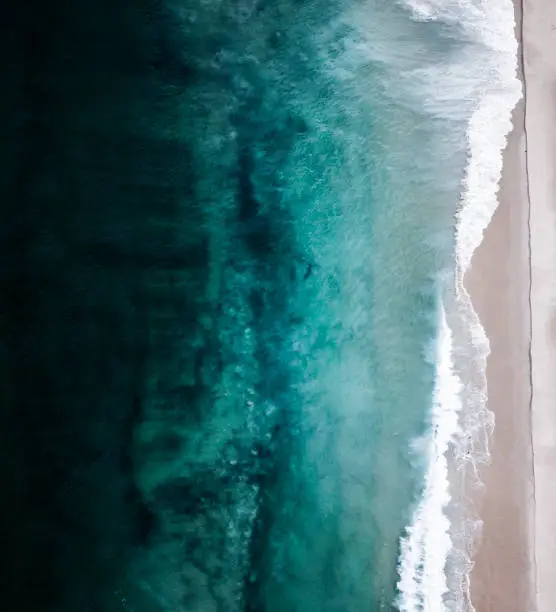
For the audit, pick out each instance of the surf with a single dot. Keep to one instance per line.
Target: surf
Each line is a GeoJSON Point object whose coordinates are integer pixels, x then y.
{"type": "Point", "coordinates": [425, 548]}
{"type": "Point", "coordinates": [436, 551]}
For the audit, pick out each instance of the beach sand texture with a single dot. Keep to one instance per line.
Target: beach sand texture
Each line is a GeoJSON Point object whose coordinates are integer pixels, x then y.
{"type": "Point", "coordinates": [539, 34]}
{"type": "Point", "coordinates": [499, 284]}
{"type": "Point", "coordinates": [513, 285]}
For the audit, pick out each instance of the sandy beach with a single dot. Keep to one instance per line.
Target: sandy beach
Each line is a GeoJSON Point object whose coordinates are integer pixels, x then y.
{"type": "Point", "coordinates": [513, 285]}
{"type": "Point", "coordinates": [539, 34]}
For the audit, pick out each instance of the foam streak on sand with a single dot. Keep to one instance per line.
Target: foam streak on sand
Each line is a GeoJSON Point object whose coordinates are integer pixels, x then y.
{"type": "Point", "coordinates": [432, 544]}
{"type": "Point", "coordinates": [487, 135]}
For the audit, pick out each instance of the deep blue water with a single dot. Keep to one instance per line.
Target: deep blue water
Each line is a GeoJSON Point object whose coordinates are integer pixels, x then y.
{"type": "Point", "coordinates": [218, 289]}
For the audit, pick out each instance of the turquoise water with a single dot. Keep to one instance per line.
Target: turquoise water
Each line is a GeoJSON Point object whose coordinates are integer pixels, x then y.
{"type": "Point", "coordinates": [234, 238]}
{"type": "Point", "coordinates": [328, 212]}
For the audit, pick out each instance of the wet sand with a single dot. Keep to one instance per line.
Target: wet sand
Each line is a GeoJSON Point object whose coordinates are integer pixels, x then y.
{"type": "Point", "coordinates": [499, 285]}
{"type": "Point", "coordinates": [513, 285]}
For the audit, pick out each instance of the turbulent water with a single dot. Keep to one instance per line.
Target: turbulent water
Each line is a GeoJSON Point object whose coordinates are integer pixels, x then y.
{"type": "Point", "coordinates": [240, 364]}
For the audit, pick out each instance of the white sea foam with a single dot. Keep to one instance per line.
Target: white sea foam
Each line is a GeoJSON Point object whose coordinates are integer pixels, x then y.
{"type": "Point", "coordinates": [425, 548]}
{"type": "Point", "coordinates": [432, 544]}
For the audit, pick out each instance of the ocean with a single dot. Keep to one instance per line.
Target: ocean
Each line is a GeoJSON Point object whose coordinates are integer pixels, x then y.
{"type": "Point", "coordinates": [241, 370]}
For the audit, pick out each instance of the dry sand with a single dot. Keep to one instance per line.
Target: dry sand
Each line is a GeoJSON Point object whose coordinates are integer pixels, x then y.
{"type": "Point", "coordinates": [513, 286]}
{"type": "Point", "coordinates": [539, 35]}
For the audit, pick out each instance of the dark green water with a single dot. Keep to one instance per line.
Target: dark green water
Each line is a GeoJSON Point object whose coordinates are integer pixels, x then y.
{"type": "Point", "coordinates": [216, 288]}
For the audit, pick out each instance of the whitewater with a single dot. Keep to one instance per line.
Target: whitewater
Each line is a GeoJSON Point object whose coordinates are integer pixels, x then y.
{"type": "Point", "coordinates": [435, 558]}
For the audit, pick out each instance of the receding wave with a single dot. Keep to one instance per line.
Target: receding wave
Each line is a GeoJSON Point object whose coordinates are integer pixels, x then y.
{"type": "Point", "coordinates": [436, 552]}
